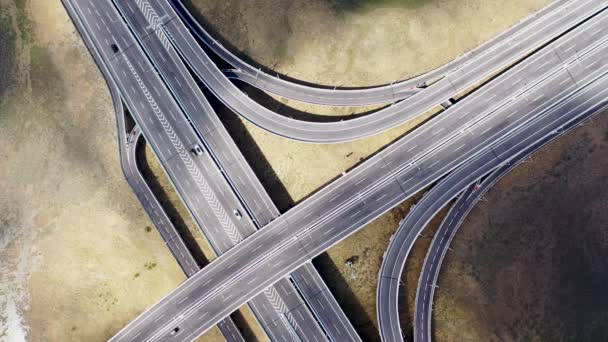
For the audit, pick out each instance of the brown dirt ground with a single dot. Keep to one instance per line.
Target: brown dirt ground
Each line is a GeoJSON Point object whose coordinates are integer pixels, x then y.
{"type": "Point", "coordinates": [322, 42]}
{"type": "Point", "coordinates": [76, 263]}
{"type": "Point", "coordinates": [528, 263]}
{"type": "Point", "coordinates": [66, 283]}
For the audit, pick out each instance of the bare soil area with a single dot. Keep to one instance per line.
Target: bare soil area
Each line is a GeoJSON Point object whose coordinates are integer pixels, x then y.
{"type": "Point", "coordinates": [529, 262]}
{"type": "Point", "coordinates": [360, 42]}
{"type": "Point", "coordinates": [346, 43]}
{"type": "Point", "coordinates": [77, 261]}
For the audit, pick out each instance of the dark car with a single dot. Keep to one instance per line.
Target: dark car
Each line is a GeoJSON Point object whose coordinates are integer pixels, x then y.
{"type": "Point", "coordinates": [196, 149]}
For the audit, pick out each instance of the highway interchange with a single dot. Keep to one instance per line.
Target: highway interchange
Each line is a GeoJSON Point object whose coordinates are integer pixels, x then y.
{"type": "Point", "coordinates": [454, 219]}
{"type": "Point", "coordinates": [512, 150]}
{"type": "Point", "coordinates": [528, 39]}
{"type": "Point", "coordinates": [280, 311]}
{"type": "Point", "coordinates": [144, 50]}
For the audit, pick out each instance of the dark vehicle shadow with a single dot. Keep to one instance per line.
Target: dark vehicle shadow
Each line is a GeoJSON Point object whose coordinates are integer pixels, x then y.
{"type": "Point", "coordinates": [339, 287]}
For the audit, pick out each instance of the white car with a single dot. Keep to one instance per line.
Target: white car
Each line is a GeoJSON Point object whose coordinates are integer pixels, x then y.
{"type": "Point", "coordinates": [197, 149]}
{"type": "Point", "coordinates": [237, 214]}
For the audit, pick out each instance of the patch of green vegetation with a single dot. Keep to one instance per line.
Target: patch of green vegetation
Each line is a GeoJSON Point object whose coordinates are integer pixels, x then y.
{"type": "Point", "coordinates": [148, 229]}
{"type": "Point", "coordinates": [136, 275]}
{"type": "Point", "coordinates": [7, 53]}
{"type": "Point", "coordinates": [23, 21]}
{"type": "Point", "coordinates": [150, 265]}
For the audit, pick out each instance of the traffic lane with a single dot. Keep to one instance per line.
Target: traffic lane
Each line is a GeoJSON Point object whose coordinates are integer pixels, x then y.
{"type": "Point", "coordinates": [454, 219]}
{"type": "Point", "coordinates": [241, 104]}
{"type": "Point", "coordinates": [533, 38]}
{"type": "Point", "coordinates": [393, 262]}
{"type": "Point", "coordinates": [364, 176]}
{"type": "Point", "coordinates": [356, 96]}
{"type": "Point", "coordinates": [431, 165]}
{"type": "Point", "coordinates": [278, 265]}
{"type": "Point", "coordinates": [150, 39]}
{"type": "Point", "coordinates": [528, 71]}
{"type": "Point", "coordinates": [349, 97]}
{"type": "Point", "coordinates": [140, 86]}
{"type": "Point", "coordinates": [430, 269]}
{"type": "Point", "coordinates": [323, 304]}
{"type": "Point", "coordinates": [293, 250]}
{"type": "Point", "coordinates": [296, 312]}
{"type": "Point", "coordinates": [242, 176]}
{"type": "Point", "coordinates": [195, 105]}
{"type": "Point", "coordinates": [130, 89]}
{"type": "Point", "coordinates": [155, 46]}
{"type": "Point", "coordinates": [140, 188]}
{"type": "Point", "coordinates": [170, 303]}
{"type": "Point", "coordinates": [297, 252]}
{"type": "Point", "coordinates": [155, 211]}
{"type": "Point", "coordinates": [187, 92]}
{"type": "Point", "coordinates": [280, 321]}
{"type": "Point", "coordinates": [501, 153]}
{"type": "Point", "coordinates": [254, 238]}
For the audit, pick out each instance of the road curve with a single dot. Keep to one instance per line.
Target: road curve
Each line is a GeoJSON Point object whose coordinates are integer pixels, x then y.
{"type": "Point", "coordinates": [535, 36]}
{"type": "Point", "coordinates": [360, 96]}
{"type": "Point", "coordinates": [161, 221]}
{"type": "Point", "coordinates": [232, 165]}
{"type": "Point", "coordinates": [517, 147]}
{"type": "Point", "coordinates": [450, 225]}
{"type": "Point", "coordinates": [133, 177]}
{"type": "Point", "coordinates": [375, 186]}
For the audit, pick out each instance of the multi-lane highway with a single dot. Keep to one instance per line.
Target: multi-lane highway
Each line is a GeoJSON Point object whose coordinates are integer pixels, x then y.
{"type": "Point", "coordinates": [161, 129]}
{"type": "Point", "coordinates": [127, 142]}
{"type": "Point", "coordinates": [533, 37]}
{"type": "Point", "coordinates": [153, 208]}
{"type": "Point", "coordinates": [365, 96]}
{"type": "Point", "coordinates": [449, 226]}
{"type": "Point", "coordinates": [244, 183]}
{"type": "Point", "coordinates": [281, 311]}
{"type": "Point", "coordinates": [475, 126]}
{"type": "Point", "coordinates": [145, 51]}
{"type": "Point", "coordinates": [548, 126]}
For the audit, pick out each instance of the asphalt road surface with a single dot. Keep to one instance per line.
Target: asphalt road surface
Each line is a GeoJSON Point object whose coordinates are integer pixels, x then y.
{"type": "Point", "coordinates": [363, 96]}
{"type": "Point", "coordinates": [338, 131]}
{"type": "Point", "coordinates": [342, 213]}
{"type": "Point", "coordinates": [473, 127]}
{"type": "Point", "coordinates": [454, 219]}
{"type": "Point", "coordinates": [127, 144]}
{"type": "Point", "coordinates": [137, 69]}
{"type": "Point", "coordinates": [548, 126]}
{"type": "Point", "coordinates": [281, 311]}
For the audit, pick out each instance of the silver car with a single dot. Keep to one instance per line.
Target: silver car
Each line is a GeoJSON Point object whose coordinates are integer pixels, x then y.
{"type": "Point", "coordinates": [197, 149]}
{"type": "Point", "coordinates": [237, 214]}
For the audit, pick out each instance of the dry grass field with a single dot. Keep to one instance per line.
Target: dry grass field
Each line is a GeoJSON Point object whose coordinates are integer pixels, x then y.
{"type": "Point", "coordinates": [528, 263]}
{"type": "Point", "coordinates": [75, 254]}
{"type": "Point", "coordinates": [72, 235]}
{"type": "Point", "coordinates": [349, 43]}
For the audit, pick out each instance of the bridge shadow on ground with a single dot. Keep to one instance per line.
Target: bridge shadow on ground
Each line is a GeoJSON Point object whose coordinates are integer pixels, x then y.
{"type": "Point", "coordinates": [284, 109]}
{"type": "Point", "coordinates": [175, 210]}
{"type": "Point", "coordinates": [252, 153]}
{"type": "Point", "coordinates": [352, 307]}
{"type": "Point", "coordinates": [229, 11]}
